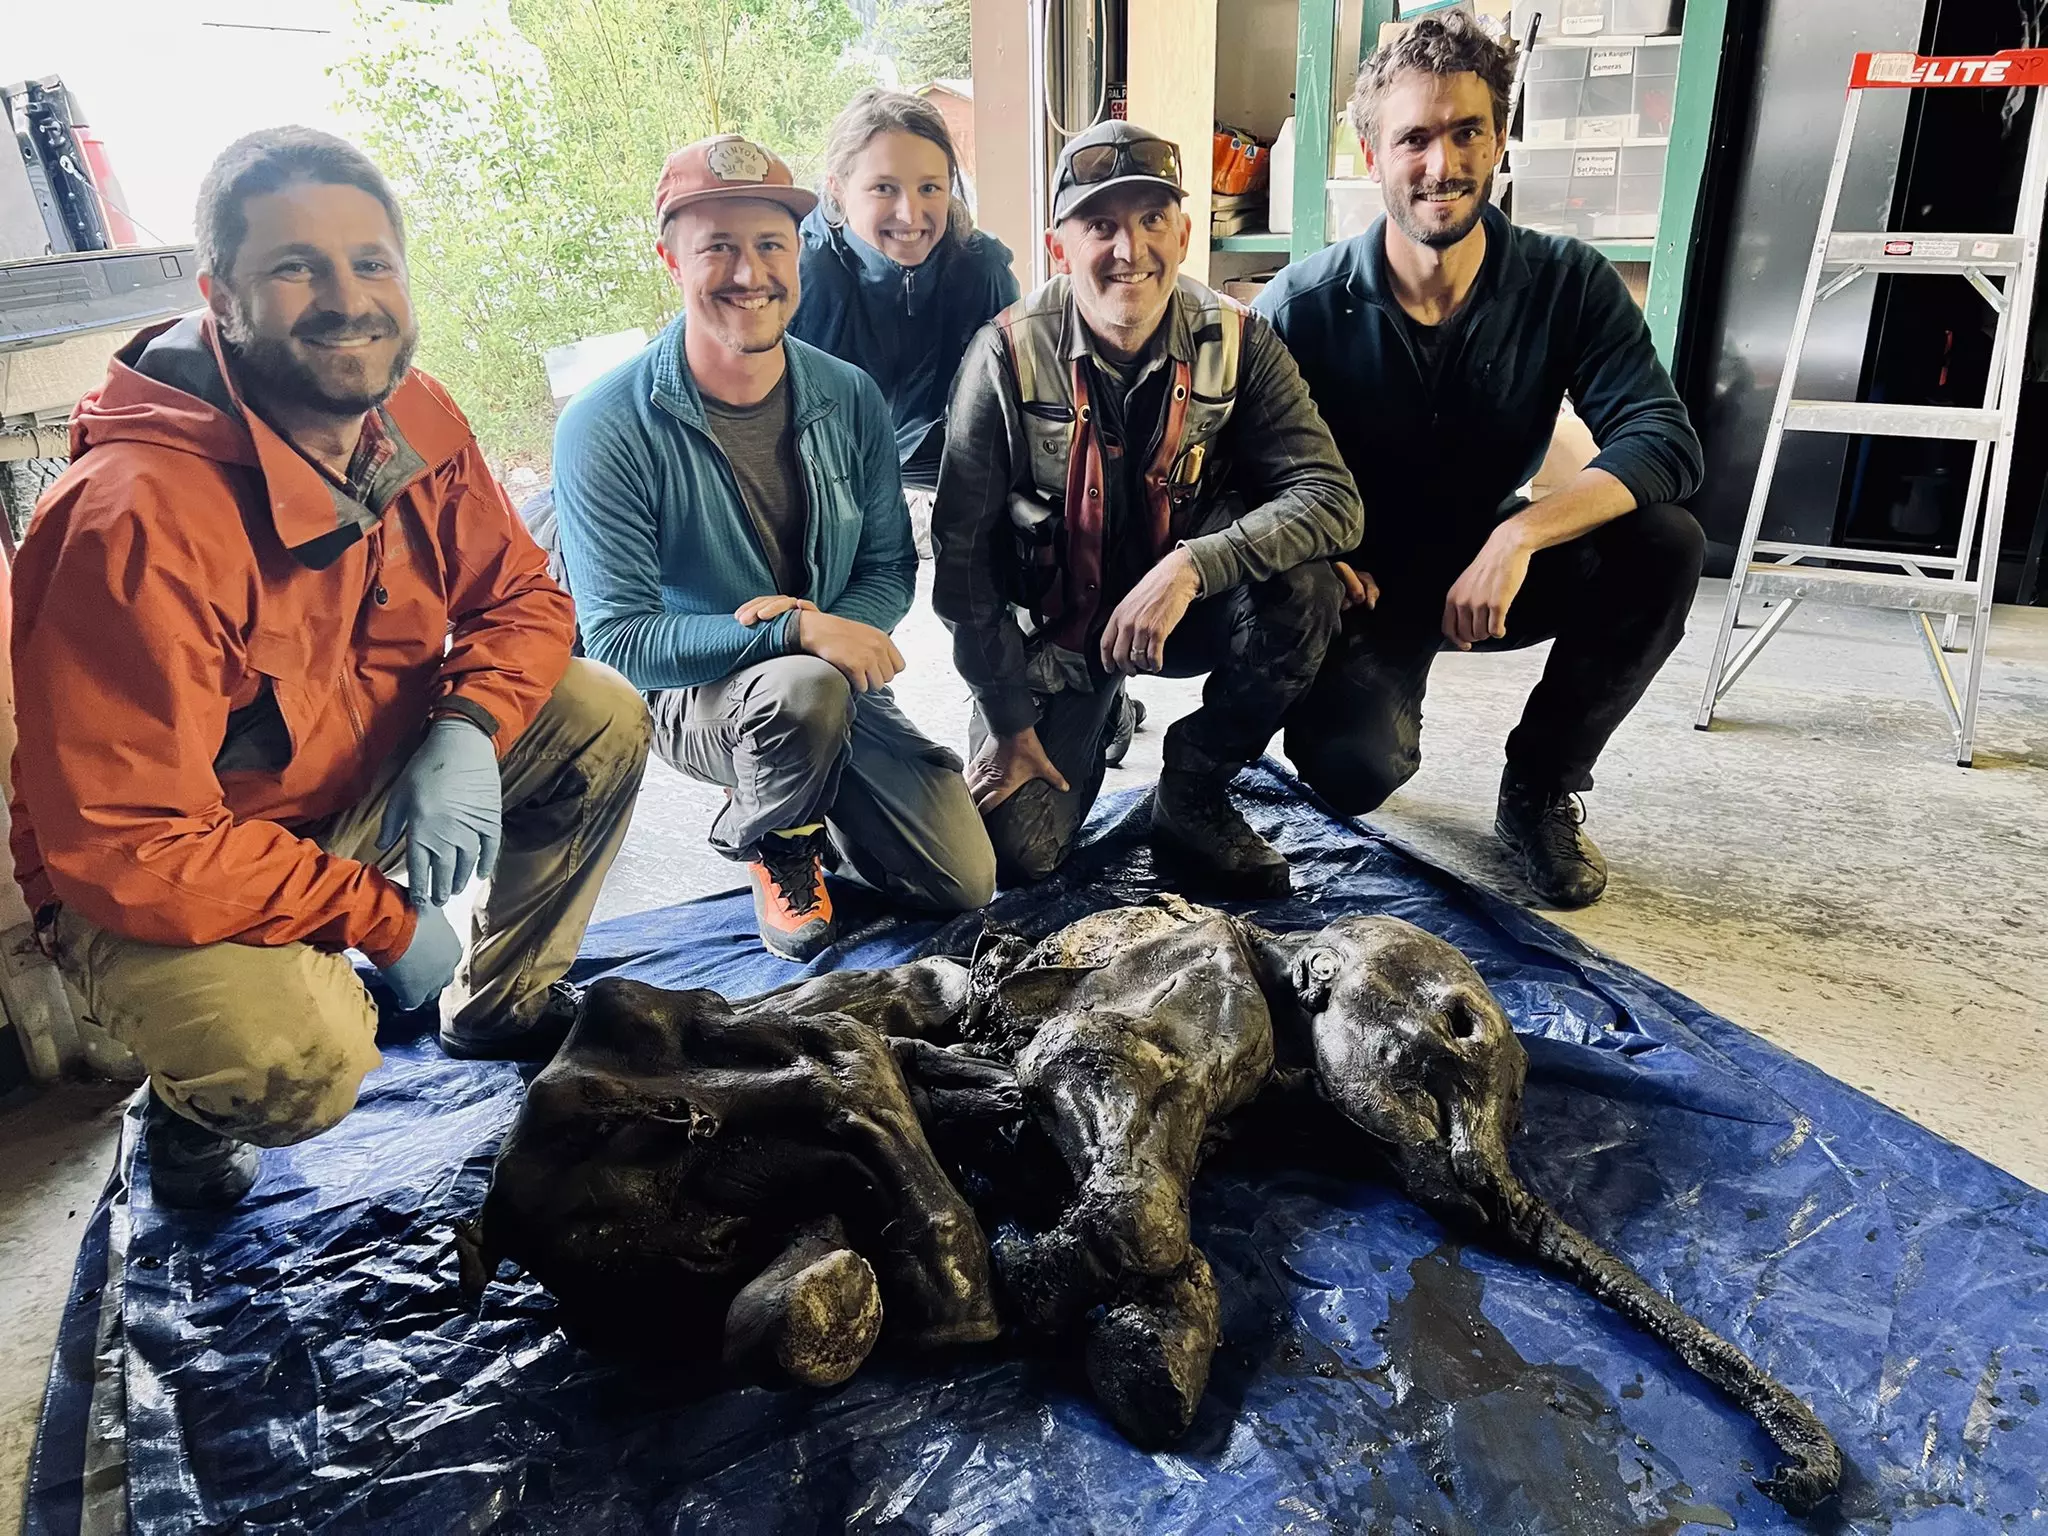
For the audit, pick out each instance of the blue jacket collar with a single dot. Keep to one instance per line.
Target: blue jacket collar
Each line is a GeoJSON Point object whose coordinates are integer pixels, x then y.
{"type": "Point", "coordinates": [676, 392]}
{"type": "Point", "coordinates": [1509, 262]}
{"type": "Point", "coordinates": [883, 279]}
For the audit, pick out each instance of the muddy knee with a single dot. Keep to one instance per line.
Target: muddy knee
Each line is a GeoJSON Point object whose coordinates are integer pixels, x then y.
{"type": "Point", "coordinates": [282, 1091]}
{"type": "Point", "coordinates": [1355, 774]}
{"type": "Point", "coordinates": [1031, 833]}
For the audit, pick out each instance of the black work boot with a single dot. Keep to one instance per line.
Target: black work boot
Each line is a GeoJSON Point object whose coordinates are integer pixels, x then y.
{"type": "Point", "coordinates": [534, 1037]}
{"type": "Point", "coordinates": [1130, 718]}
{"type": "Point", "coordinates": [1541, 829]}
{"type": "Point", "coordinates": [1201, 836]}
{"type": "Point", "coordinates": [192, 1168]}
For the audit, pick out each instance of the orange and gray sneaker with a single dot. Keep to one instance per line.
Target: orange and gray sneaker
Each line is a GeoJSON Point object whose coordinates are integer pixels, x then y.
{"type": "Point", "coordinates": [791, 905]}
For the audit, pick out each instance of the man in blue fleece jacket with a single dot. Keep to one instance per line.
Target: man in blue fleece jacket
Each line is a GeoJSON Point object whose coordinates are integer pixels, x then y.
{"type": "Point", "coordinates": [733, 524]}
{"type": "Point", "coordinates": [1438, 346]}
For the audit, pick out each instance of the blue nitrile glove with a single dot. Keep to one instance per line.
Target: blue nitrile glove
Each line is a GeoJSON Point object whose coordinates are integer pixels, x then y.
{"type": "Point", "coordinates": [428, 963]}
{"type": "Point", "coordinates": [446, 806]}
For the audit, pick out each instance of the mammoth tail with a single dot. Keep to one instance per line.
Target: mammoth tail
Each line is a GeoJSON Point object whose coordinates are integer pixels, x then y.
{"type": "Point", "coordinates": [1812, 1471]}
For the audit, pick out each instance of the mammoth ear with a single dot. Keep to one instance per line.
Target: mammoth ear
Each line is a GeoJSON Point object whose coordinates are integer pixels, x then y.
{"type": "Point", "coordinates": [1315, 968]}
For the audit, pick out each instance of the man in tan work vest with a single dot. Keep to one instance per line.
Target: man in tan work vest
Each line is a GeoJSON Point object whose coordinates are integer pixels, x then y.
{"type": "Point", "coordinates": [1135, 481]}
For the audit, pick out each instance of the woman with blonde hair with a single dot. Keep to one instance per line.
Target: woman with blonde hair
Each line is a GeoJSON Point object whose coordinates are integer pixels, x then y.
{"type": "Point", "coordinates": [895, 277]}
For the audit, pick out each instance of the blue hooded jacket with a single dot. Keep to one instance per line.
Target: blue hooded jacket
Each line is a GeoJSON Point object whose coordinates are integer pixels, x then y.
{"type": "Point", "coordinates": [906, 327]}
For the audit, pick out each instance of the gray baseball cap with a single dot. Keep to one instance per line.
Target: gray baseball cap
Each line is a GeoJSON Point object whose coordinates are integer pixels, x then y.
{"type": "Point", "coordinates": [1112, 154]}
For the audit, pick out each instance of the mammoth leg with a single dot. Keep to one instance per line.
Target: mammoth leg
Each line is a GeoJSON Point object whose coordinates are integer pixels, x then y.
{"type": "Point", "coordinates": [922, 999]}
{"type": "Point", "coordinates": [1051, 1279]}
{"type": "Point", "coordinates": [814, 1313]}
{"type": "Point", "coordinates": [1148, 1357]}
{"type": "Point", "coordinates": [1130, 1133]}
{"type": "Point", "coordinates": [935, 1258]}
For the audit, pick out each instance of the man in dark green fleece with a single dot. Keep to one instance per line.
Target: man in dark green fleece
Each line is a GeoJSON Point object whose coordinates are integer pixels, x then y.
{"type": "Point", "coordinates": [1439, 345]}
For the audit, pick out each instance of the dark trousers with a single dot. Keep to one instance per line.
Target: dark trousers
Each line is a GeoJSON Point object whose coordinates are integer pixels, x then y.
{"type": "Point", "coordinates": [1260, 643]}
{"type": "Point", "coordinates": [1615, 601]}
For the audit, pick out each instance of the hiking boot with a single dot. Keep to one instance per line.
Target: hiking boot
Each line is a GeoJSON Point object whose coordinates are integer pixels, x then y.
{"type": "Point", "coordinates": [1201, 835]}
{"type": "Point", "coordinates": [192, 1168]}
{"type": "Point", "coordinates": [1540, 828]}
{"type": "Point", "coordinates": [535, 1038]}
{"type": "Point", "coordinates": [1130, 718]}
{"type": "Point", "coordinates": [791, 905]}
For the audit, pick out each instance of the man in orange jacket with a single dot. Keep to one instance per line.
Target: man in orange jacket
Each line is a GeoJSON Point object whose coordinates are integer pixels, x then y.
{"type": "Point", "coordinates": [279, 634]}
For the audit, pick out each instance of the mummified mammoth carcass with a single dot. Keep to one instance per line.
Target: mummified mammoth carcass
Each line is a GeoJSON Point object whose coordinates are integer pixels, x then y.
{"type": "Point", "coordinates": [703, 1183]}
{"type": "Point", "coordinates": [766, 1164]}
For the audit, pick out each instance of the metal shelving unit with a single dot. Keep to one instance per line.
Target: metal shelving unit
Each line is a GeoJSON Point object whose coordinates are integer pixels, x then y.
{"type": "Point", "coordinates": [1173, 63]}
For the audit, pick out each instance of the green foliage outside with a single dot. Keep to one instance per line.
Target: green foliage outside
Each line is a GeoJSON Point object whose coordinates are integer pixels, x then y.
{"type": "Point", "coordinates": [525, 157]}
{"type": "Point", "coordinates": [933, 40]}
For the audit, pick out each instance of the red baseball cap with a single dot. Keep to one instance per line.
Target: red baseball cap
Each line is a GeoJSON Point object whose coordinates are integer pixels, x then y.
{"type": "Point", "coordinates": [727, 165]}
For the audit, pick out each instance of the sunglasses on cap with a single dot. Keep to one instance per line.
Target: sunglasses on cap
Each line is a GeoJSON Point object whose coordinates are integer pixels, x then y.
{"type": "Point", "coordinates": [1106, 162]}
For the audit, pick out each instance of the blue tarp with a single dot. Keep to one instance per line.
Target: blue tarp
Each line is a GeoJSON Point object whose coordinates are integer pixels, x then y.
{"type": "Point", "coordinates": [305, 1364]}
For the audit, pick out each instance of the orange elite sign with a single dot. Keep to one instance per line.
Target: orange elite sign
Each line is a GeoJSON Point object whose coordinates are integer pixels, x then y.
{"type": "Point", "coordinates": [1910, 71]}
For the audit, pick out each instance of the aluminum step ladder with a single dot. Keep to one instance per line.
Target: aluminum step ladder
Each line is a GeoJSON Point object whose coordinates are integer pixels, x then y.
{"type": "Point", "coordinates": [1921, 585]}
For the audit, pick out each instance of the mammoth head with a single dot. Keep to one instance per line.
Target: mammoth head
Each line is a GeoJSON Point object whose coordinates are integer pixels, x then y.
{"type": "Point", "coordinates": [1414, 1049]}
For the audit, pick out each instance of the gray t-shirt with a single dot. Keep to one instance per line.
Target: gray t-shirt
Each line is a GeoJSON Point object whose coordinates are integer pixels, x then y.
{"type": "Point", "coordinates": [761, 445]}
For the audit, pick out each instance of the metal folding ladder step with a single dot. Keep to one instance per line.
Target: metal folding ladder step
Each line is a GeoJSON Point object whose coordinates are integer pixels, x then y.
{"type": "Point", "coordinates": [1950, 587]}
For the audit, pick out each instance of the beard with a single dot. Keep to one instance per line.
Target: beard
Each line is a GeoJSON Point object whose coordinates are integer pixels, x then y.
{"type": "Point", "coordinates": [748, 335]}
{"type": "Point", "coordinates": [1439, 237]}
{"type": "Point", "coordinates": [270, 369]}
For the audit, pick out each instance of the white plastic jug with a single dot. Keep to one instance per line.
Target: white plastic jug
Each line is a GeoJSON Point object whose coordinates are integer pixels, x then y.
{"type": "Point", "coordinates": [1280, 182]}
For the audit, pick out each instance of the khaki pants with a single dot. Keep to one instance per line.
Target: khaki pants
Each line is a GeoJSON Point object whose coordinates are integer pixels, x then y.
{"type": "Point", "coordinates": [269, 1043]}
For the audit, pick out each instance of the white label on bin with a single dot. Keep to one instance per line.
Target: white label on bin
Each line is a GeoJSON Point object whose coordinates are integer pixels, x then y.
{"type": "Point", "coordinates": [1595, 162]}
{"type": "Point", "coordinates": [1605, 128]}
{"type": "Point", "coordinates": [1612, 61]}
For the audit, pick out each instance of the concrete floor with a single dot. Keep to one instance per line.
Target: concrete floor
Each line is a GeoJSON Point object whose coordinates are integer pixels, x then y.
{"type": "Point", "coordinates": [1815, 868]}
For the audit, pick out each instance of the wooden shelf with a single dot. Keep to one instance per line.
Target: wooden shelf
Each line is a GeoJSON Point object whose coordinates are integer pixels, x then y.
{"type": "Point", "coordinates": [1626, 250]}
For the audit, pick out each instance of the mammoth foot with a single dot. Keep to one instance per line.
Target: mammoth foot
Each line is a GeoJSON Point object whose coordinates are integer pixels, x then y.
{"type": "Point", "coordinates": [813, 1315]}
{"type": "Point", "coordinates": [1148, 1357]}
{"type": "Point", "coordinates": [1050, 1280]}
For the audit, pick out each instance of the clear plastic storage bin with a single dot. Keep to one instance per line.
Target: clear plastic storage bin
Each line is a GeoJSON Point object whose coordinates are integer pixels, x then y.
{"type": "Point", "coordinates": [1656, 89]}
{"type": "Point", "coordinates": [1592, 191]}
{"type": "Point", "coordinates": [1644, 18]}
{"type": "Point", "coordinates": [1349, 207]}
{"type": "Point", "coordinates": [1607, 101]}
{"type": "Point", "coordinates": [1585, 93]}
{"type": "Point", "coordinates": [1563, 18]}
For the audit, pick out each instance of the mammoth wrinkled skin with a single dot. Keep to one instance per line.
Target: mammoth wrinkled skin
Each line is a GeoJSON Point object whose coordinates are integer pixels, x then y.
{"type": "Point", "coordinates": [1141, 1028]}
{"type": "Point", "coordinates": [698, 1182]}
{"type": "Point", "coordinates": [757, 1177]}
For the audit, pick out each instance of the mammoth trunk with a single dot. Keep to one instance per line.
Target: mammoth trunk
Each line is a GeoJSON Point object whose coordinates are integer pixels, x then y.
{"type": "Point", "coordinates": [1812, 1471]}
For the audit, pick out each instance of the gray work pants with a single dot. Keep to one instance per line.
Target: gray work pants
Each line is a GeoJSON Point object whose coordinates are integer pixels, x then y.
{"type": "Point", "coordinates": [796, 745]}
